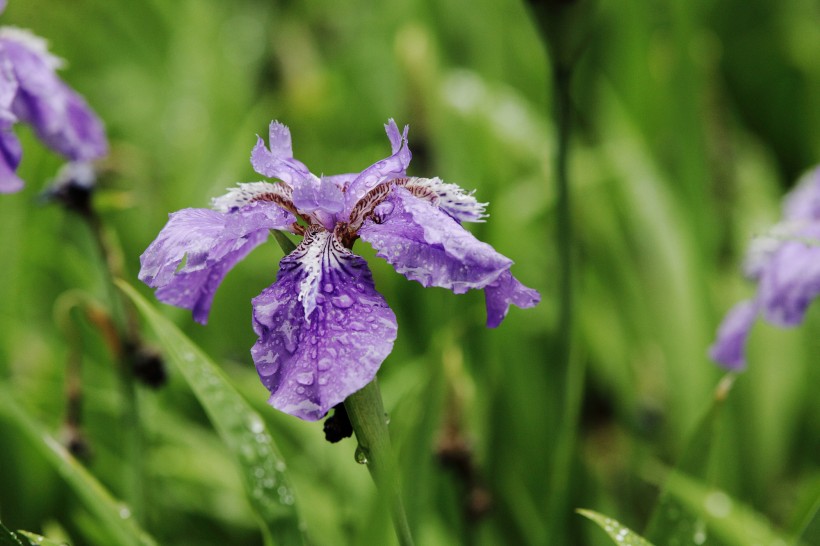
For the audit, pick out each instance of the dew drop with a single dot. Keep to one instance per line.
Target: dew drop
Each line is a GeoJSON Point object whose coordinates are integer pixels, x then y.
{"type": "Point", "coordinates": [280, 466]}
{"type": "Point", "coordinates": [267, 366]}
{"type": "Point", "coordinates": [256, 425]}
{"type": "Point", "coordinates": [305, 378]}
{"type": "Point", "coordinates": [343, 301]}
{"type": "Point", "coordinates": [124, 512]}
{"type": "Point", "coordinates": [324, 364]}
{"type": "Point", "coordinates": [718, 504]}
{"type": "Point", "coordinates": [328, 287]}
{"type": "Point", "coordinates": [361, 455]}
{"type": "Point", "coordinates": [323, 380]}
{"type": "Point", "coordinates": [357, 326]}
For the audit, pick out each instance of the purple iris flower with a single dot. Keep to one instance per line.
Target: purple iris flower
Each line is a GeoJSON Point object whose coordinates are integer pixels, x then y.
{"type": "Point", "coordinates": [323, 328]}
{"type": "Point", "coordinates": [31, 92]}
{"type": "Point", "coordinates": [785, 263]}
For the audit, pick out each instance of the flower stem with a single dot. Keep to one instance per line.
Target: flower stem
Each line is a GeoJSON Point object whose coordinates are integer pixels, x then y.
{"type": "Point", "coordinates": [128, 334]}
{"type": "Point", "coordinates": [366, 412]}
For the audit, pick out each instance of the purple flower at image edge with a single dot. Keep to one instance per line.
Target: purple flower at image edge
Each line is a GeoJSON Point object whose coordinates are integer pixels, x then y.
{"type": "Point", "coordinates": [32, 93]}
{"type": "Point", "coordinates": [323, 328]}
{"type": "Point", "coordinates": [785, 264]}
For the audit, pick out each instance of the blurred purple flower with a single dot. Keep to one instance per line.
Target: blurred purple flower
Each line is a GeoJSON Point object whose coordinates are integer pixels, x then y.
{"type": "Point", "coordinates": [31, 92]}
{"type": "Point", "coordinates": [323, 328]}
{"type": "Point", "coordinates": [785, 263]}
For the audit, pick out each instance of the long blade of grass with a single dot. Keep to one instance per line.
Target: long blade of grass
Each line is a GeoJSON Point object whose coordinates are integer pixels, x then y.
{"type": "Point", "coordinates": [617, 532]}
{"type": "Point", "coordinates": [113, 515]}
{"type": "Point", "coordinates": [237, 423]}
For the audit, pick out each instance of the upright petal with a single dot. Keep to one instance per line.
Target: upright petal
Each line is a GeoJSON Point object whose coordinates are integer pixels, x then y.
{"type": "Point", "coordinates": [311, 194]}
{"type": "Point", "coordinates": [426, 245]}
{"type": "Point", "coordinates": [729, 349]}
{"type": "Point", "coordinates": [278, 161]}
{"type": "Point", "coordinates": [502, 292]}
{"type": "Point", "coordinates": [210, 243]}
{"type": "Point", "coordinates": [60, 117]}
{"type": "Point", "coordinates": [394, 166]}
{"type": "Point", "coordinates": [323, 329]}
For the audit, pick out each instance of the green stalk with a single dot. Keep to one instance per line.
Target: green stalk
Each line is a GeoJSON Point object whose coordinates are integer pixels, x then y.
{"type": "Point", "coordinates": [366, 412]}
{"type": "Point", "coordinates": [125, 318]}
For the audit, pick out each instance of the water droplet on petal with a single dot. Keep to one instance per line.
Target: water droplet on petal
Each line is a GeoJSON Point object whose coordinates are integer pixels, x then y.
{"type": "Point", "coordinates": [305, 378]}
{"type": "Point", "coordinates": [328, 287]}
{"type": "Point", "coordinates": [343, 301]}
{"type": "Point", "coordinates": [357, 326]}
{"type": "Point", "coordinates": [324, 364]}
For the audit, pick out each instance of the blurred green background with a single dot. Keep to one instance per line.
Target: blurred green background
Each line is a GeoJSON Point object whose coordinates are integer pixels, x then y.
{"type": "Point", "coordinates": [691, 120]}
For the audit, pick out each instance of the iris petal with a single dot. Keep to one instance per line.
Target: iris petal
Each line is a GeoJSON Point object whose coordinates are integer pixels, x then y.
{"type": "Point", "coordinates": [210, 243]}
{"type": "Point", "coordinates": [60, 117]}
{"type": "Point", "coordinates": [323, 328]}
{"type": "Point", "coordinates": [730, 346]}
{"type": "Point", "coordinates": [426, 245]}
{"type": "Point", "coordinates": [393, 166]}
{"type": "Point", "coordinates": [502, 292]}
{"type": "Point", "coordinates": [791, 280]}
{"type": "Point", "coordinates": [278, 161]}
{"type": "Point", "coordinates": [10, 153]}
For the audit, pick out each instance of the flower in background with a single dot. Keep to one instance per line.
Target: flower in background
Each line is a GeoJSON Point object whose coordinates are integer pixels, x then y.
{"type": "Point", "coordinates": [323, 328]}
{"type": "Point", "coordinates": [785, 263]}
{"type": "Point", "coordinates": [32, 93]}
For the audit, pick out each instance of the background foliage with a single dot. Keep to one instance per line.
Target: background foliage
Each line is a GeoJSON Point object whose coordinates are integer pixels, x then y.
{"type": "Point", "coordinates": [692, 119]}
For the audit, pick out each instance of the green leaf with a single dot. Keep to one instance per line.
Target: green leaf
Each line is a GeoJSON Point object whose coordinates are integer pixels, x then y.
{"type": "Point", "coordinates": [114, 516]}
{"type": "Point", "coordinates": [617, 532]}
{"type": "Point", "coordinates": [37, 540]}
{"type": "Point", "coordinates": [237, 423]}
{"type": "Point", "coordinates": [9, 538]}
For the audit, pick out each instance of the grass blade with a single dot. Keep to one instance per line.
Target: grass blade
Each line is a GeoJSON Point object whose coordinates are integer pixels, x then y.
{"type": "Point", "coordinates": [237, 423]}
{"type": "Point", "coordinates": [113, 515]}
{"type": "Point", "coordinates": [617, 532]}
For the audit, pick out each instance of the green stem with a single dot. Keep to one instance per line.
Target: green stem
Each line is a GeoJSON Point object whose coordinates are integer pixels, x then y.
{"type": "Point", "coordinates": [563, 231]}
{"type": "Point", "coordinates": [124, 316]}
{"type": "Point", "coordinates": [366, 412]}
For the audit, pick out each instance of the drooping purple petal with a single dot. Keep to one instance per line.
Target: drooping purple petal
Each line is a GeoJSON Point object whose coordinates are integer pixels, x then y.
{"type": "Point", "coordinates": [2, 6]}
{"type": "Point", "coordinates": [791, 279]}
{"type": "Point", "coordinates": [729, 349]}
{"type": "Point", "coordinates": [10, 153]}
{"type": "Point", "coordinates": [502, 292]}
{"type": "Point", "coordinates": [323, 328]}
{"type": "Point", "coordinates": [426, 245]}
{"type": "Point", "coordinates": [278, 161]}
{"type": "Point", "coordinates": [60, 117]}
{"type": "Point", "coordinates": [394, 166]}
{"type": "Point", "coordinates": [210, 243]}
